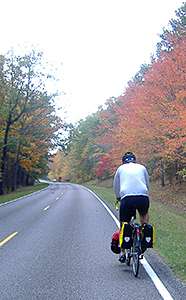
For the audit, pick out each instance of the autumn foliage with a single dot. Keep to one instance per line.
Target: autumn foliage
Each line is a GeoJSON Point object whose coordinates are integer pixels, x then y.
{"type": "Point", "coordinates": [151, 115]}
{"type": "Point", "coordinates": [28, 122]}
{"type": "Point", "coordinates": [149, 118]}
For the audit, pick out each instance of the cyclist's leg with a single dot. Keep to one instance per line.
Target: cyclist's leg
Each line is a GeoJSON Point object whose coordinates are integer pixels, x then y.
{"type": "Point", "coordinates": [144, 218]}
{"type": "Point", "coordinates": [125, 212]}
{"type": "Point", "coordinates": [143, 207]}
{"type": "Point", "coordinates": [127, 209]}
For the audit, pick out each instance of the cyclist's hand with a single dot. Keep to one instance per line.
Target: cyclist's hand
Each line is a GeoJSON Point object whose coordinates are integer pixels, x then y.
{"type": "Point", "coordinates": [116, 204]}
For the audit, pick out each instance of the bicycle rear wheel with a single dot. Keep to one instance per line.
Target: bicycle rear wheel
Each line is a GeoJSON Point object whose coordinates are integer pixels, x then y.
{"type": "Point", "coordinates": [135, 260]}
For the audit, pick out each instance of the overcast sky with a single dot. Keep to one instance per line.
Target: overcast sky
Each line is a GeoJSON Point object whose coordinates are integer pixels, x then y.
{"type": "Point", "coordinates": [101, 43]}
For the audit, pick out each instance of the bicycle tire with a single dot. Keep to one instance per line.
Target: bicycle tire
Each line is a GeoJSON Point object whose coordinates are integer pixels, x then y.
{"type": "Point", "coordinates": [135, 255]}
{"type": "Point", "coordinates": [135, 260]}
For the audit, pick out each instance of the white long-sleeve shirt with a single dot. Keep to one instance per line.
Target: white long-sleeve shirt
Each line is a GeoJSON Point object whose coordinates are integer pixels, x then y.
{"type": "Point", "coordinates": [131, 179]}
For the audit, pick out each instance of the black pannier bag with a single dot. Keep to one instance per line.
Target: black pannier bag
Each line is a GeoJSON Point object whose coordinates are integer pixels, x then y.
{"type": "Point", "coordinates": [114, 245]}
{"type": "Point", "coordinates": [148, 235]}
{"type": "Point", "coordinates": [125, 237]}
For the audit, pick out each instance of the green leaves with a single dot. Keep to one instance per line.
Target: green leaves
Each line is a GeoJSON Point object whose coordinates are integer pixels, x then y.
{"type": "Point", "coordinates": [29, 122]}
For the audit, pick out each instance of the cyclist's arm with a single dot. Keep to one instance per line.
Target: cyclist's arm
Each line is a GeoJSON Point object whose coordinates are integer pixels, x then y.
{"type": "Point", "coordinates": [117, 185]}
{"type": "Point", "coordinates": [147, 177]}
{"type": "Point", "coordinates": [116, 203]}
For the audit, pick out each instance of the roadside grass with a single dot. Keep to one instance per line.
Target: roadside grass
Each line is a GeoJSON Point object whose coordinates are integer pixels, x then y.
{"type": "Point", "coordinates": [170, 240]}
{"type": "Point", "coordinates": [169, 222]}
{"type": "Point", "coordinates": [23, 191]}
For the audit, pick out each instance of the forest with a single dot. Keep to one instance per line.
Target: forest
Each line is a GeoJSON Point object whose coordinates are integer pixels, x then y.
{"type": "Point", "coordinates": [149, 119]}
{"type": "Point", "coordinates": [28, 122]}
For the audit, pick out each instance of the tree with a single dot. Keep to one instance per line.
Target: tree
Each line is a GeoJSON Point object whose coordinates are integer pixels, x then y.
{"type": "Point", "coordinates": [78, 159]}
{"type": "Point", "coordinates": [150, 116]}
{"type": "Point", "coordinates": [177, 27]}
{"type": "Point", "coordinates": [85, 152]}
{"type": "Point", "coordinates": [29, 119]}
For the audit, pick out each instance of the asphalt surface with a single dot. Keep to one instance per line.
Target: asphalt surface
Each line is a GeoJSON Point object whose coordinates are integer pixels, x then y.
{"type": "Point", "coordinates": [61, 250]}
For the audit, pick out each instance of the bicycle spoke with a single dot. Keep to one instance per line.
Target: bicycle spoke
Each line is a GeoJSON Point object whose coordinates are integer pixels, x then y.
{"type": "Point", "coordinates": [135, 261]}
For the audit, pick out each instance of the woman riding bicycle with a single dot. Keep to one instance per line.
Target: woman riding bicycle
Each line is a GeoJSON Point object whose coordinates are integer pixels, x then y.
{"type": "Point", "coordinates": [131, 184]}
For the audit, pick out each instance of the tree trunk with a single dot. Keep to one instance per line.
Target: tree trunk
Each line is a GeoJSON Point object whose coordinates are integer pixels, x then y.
{"type": "Point", "coordinates": [162, 178]}
{"type": "Point", "coordinates": [18, 177]}
{"type": "Point", "coordinates": [27, 179]}
{"type": "Point", "coordinates": [4, 158]}
{"type": "Point", "coordinates": [16, 167]}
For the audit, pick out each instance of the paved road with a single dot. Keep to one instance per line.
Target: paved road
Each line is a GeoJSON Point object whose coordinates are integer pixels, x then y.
{"type": "Point", "coordinates": [61, 251]}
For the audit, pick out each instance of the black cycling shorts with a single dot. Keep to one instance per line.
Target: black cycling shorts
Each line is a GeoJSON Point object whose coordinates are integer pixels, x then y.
{"type": "Point", "coordinates": [129, 205]}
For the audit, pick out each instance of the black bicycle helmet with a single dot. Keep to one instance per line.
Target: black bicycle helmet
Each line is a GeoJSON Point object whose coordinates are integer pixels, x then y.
{"type": "Point", "coordinates": [128, 157]}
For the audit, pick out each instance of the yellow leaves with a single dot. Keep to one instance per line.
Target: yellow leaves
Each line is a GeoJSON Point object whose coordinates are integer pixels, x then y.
{"type": "Point", "coordinates": [86, 151]}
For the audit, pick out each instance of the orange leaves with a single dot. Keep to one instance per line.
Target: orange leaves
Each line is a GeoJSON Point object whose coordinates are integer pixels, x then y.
{"type": "Point", "coordinates": [150, 118]}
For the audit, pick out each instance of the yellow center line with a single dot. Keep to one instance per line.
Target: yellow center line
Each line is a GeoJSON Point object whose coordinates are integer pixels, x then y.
{"type": "Point", "coordinates": [8, 238]}
{"type": "Point", "coordinates": [46, 207]}
{"type": "Point", "coordinates": [57, 198]}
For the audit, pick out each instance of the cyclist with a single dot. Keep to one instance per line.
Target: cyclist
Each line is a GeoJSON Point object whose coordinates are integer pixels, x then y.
{"type": "Point", "coordinates": [131, 184]}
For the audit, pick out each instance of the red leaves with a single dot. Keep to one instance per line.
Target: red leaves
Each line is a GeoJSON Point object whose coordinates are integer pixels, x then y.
{"type": "Point", "coordinates": [150, 118]}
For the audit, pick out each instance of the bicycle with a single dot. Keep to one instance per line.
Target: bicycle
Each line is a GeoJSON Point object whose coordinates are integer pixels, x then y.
{"type": "Point", "coordinates": [136, 249]}
{"type": "Point", "coordinates": [136, 241]}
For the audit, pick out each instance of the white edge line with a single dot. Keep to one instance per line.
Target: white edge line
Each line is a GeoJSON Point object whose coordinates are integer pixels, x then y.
{"type": "Point", "coordinates": [157, 282]}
